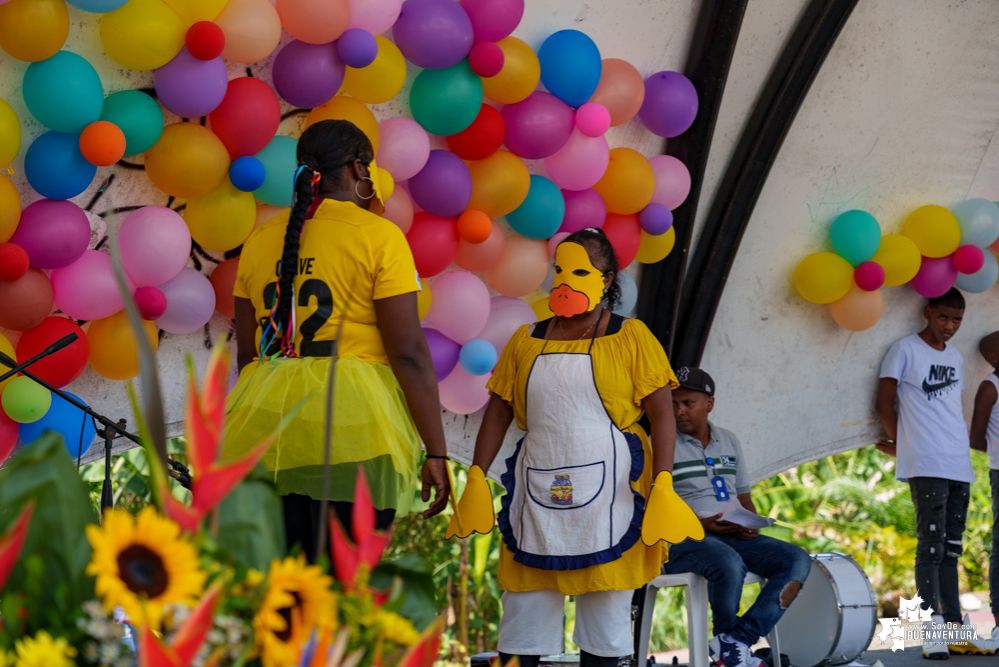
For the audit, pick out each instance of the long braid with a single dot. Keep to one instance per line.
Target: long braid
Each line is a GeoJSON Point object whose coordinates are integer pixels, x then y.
{"type": "Point", "coordinates": [284, 308]}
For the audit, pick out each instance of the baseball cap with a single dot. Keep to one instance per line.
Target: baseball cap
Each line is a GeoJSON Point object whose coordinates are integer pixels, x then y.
{"type": "Point", "coordinates": [696, 379]}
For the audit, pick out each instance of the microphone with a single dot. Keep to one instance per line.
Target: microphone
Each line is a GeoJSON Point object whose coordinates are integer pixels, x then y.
{"type": "Point", "coordinates": [16, 368]}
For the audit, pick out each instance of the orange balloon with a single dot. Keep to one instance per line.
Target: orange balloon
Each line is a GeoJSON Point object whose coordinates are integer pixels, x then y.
{"type": "Point", "coordinates": [102, 143]}
{"type": "Point", "coordinates": [342, 107]}
{"type": "Point", "coordinates": [265, 212]}
{"type": "Point", "coordinates": [399, 209]}
{"type": "Point", "coordinates": [10, 208]}
{"type": "Point", "coordinates": [314, 21]}
{"type": "Point", "coordinates": [33, 30]}
{"type": "Point", "coordinates": [474, 226]}
{"type": "Point", "coordinates": [499, 183]}
{"type": "Point", "coordinates": [858, 310]}
{"type": "Point", "coordinates": [223, 280]}
{"type": "Point", "coordinates": [629, 182]}
{"type": "Point", "coordinates": [522, 267]}
{"type": "Point", "coordinates": [520, 74]}
{"type": "Point", "coordinates": [25, 302]}
{"type": "Point", "coordinates": [114, 349]}
{"type": "Point", "coordinates": [621, 90]}
{"type": "Point", "coordinates": [188, 161]}
{"type": "Point", "coordinates": [481, 256]}
{"type": "Point", "coordinates": [252, 30]}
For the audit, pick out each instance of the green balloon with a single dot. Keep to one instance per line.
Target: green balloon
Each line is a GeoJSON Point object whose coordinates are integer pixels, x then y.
{"type": "Point", "coordinates": [856, 236]}
{"type": "Point", "coordinates": [446, 101]}
{"type": "Point", "coordinates": [25, 401]}
{"type": "Point", "coordinates": [138, 116]}
{"type": "Point", "coordinates": [280, 159]}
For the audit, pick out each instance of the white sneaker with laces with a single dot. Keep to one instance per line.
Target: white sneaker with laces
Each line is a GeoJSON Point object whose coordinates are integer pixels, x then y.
{"type": "Point", "coordinates": [979, 646]}
{"type": "Point", "coordinates": [933, 646]}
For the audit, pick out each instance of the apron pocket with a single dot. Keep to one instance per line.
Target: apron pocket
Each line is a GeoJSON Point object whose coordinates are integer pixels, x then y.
{"type": "Point", "coordinates": [566, 488]}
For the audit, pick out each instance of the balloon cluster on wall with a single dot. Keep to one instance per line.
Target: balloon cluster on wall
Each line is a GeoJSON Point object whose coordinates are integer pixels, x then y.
{"type": "Point", "coordinates": [937, 250]}
{"type": "Point", "coordinates": [478, 89]}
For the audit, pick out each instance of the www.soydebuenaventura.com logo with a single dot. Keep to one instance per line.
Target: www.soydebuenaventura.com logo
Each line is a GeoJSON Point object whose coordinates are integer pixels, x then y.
{"type": "Point", "coordinates": [921, 627]}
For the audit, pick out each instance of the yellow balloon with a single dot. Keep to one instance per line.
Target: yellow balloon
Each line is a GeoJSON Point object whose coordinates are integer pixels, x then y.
{"type": "Point", "coordinates": [33, 30]}
{"type": "Point", "coordinates": [424, 298]}
{"type": "Point", "coordinates": [387, 183]}
{"type": "Point", "coordinates": [520, 74]}
{"type": "Point", "coordinates": [934, 229]}
{"type": "Point", "coordinates": [381, 80]}
{"type": "Point", "coordinates": [10, 209]}
{"type": "Point", "coordinates": [7, 349]}
{"type": "Point", "coordinates": [541, 310]}
{"type": "Point", "coordinates": [899, 256]}
{"type": "Point", "coordinates": [114, 349]}
{"type": "Point", "coordinates": [655, 248]}
{"type": "Point", "coordinates": [192, 11]}
{"type": "Point", "coordinates": [823, 277]}
{"type": "Point", "coordinates": [858, 310]}
{"type": "Point", "coordinates": [188, 161]}
{"type": "Point", "coordinates": [342, 107]}
{"type": "Point", "coordinates": [10, 134]}
{"type": "Point", "coordinates": [629, 182]}
{"type": "Point", "coordinates": [142, 34]}
{"type": "Point", "coordinates": [222, 219]}
{"type": "Point", "coordinates": [499, 183]}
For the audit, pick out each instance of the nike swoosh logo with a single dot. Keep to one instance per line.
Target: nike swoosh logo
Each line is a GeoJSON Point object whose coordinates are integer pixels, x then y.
{"type": "Point", "coordinates": [930, 388]}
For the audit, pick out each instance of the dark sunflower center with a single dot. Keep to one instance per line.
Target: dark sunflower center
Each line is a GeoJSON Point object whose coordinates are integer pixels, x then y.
{"type": "Point", "coordinates": [142, 571]}
{"type": "Point", "coordinates": [285, 635]}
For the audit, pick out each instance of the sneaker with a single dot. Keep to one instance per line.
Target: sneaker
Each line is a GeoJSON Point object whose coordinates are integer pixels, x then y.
{"type": "Point", "coordinates": [728, 652]}
{"type": "Point", "coordinates": [933, 647]}
{"type": "Point", "coordinates": [978, 646]}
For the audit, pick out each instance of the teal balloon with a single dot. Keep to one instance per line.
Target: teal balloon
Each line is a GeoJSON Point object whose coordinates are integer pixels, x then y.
{"type": "Point", "coordinates": [446, 101]}
{"type": "Point", "coordinates": [979, 220]}
{"type": "Point", "coordinates": [981, 280]}
{"type": "Point", "coordinates": [138, 116]}
{"type": "Point", "coordinates": [856, 236]}
{"type": "Point", "coordinates": [63, 93]}
{"type": "Point", "coordinates": [541, 214]}
{"type": "Point", "coordinates": [280, 159]}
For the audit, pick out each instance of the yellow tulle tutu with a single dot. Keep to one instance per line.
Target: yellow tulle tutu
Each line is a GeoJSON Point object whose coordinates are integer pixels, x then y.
{"type": "Point", "coordinates": [371, 427]}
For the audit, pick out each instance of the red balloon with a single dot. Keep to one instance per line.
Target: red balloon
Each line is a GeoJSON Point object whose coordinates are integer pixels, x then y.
{"type": "Point", "coordinates": [26, 302]}
{"type": "Point", "coordinates": [248, 117]}
{"type": "Point", "coordinates": [8, 435]}
{"type": "Point", "coordinates": [486, 59]}
{"type": "Point", "coordinates": [223, 280]}
{"type": "Point", "coordinates": [433, 241]}
{"type": "Point", "coordinates": [13, 261]}
{"type": "Point", "coordinates": [64, 366]}
{"type": "Point", "coordinates": [480, 139]}
{"type": "Point", "coordinates": [625, 234]}
{"type": "Point", "coordinates": [205, 40]}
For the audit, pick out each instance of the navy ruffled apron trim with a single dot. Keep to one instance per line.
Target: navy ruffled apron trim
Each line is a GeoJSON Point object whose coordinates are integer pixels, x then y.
{"type": "Point", "coordinates": [583, 561]}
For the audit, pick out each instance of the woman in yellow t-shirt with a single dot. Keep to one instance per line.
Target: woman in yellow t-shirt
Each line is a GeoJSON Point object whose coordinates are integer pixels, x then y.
{"type": "Point", "coordinates": [329, 261]}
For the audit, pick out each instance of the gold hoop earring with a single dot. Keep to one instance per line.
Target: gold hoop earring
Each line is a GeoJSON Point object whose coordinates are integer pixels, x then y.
{"type": "Point", "coordinates": [358, 192]}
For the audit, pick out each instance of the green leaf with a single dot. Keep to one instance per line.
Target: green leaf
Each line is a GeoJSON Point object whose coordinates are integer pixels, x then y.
{"type": "Point", "coordinates": [251, 522]}
{"type": "Point", "coordinates": [419, 604]}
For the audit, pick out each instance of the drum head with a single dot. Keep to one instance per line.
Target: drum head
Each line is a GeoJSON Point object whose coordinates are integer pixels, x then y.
{"type": "Point", "coordinates": [810, 627]}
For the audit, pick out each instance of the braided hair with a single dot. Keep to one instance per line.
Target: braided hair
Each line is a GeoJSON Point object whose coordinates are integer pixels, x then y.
{"type": "Point", "coordinates": [325, 151]}
{"type": "Point", "coordinates": [594, 239]}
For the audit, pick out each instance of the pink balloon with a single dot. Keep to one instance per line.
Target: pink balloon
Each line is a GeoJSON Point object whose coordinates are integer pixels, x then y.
{"type": "Point", "coordinates": [537, 126]}
{"type": "Point", "coordinates": [580, 163]}
{"type": "Point", "coordinates": [155, 243]}
{"type": "Point", "coordinates": [190, 302]}
{"type": "Point", "coordinates": [404, 147]}
{"type": "Point", "coordinates": [460, 306]}
{"type": "Point", "coordinates": [492, 20]}
{"type": "Point", "coordinates": [672, 181]}
{"type": "Point", "coordinates": [375, 16]}
{"type": "Point", "coordinates": [593, 119]}
{"type": "Point", "coordinates": [486, 59]}
{"type": "Point", "coordinates": [481, 256]}
{"type": "Point", "coordinates": [399, 209]}
{"type": "Point", "coordinates": [53, 232]}
{"type": "Point", "coordinates": [463, 393]}
{"type": "Point", "coordinates": [151, 302]}
{"type": "Point", "coordinates": [583, 208]}
{"type": "Point", "coordinates": [936, 275]}
{"type": "Point", "coordinates": [86, 289]}
{"type": "Point", "coordinates": [968, 259]}
{"type": "Point", "coordinates": [554, 241]}
{"type": "Point", "coordinates": [506, 315]}
{"type": "Point", "coordinates": [869, 276]}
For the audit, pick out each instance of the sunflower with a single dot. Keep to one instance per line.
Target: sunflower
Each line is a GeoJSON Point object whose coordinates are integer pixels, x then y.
{"type": "Point", "coordinates": [43, 651]}
{"type": "Point", "coordinates": [298, 599]}
{"type": "Point", "coordinates": [6, 659]}
{"type": "Point", "coordinates": [143, 564]}
{"type": "Point", "coordinates": [392, 626]}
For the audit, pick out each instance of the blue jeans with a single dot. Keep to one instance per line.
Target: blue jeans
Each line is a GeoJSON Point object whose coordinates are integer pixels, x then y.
{"type": "Point", "coordinates": [724, 560]}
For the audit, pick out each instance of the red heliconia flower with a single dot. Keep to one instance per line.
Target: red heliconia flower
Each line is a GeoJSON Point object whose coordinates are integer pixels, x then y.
{"type": "Point", "coordinates": [187, 641]}
{"type": "Point", "coordinates": [12, 542]}
{"type": "Point", "coordinates": [424, 652]}
{"type": "Point", "coordinates": [348, 556]}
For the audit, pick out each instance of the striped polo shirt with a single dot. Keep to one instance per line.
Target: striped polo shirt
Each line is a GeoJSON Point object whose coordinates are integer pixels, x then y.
{"type": "Point", "coordinates": [692, 476]}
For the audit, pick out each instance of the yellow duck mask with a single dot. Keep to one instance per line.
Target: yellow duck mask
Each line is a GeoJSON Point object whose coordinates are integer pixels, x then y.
{"type": "Point", "coordinates": [578, 286]}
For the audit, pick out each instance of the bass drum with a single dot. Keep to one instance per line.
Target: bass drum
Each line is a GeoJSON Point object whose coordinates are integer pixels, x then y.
{"type": "Point", "coordinates": [833, 619]}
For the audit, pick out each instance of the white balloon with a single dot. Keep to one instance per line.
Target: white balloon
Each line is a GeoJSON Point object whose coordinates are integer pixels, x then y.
{"type": "Point", "coordinates": [981, 280]}
{"type": "Point", "coordinates": [629, 294]}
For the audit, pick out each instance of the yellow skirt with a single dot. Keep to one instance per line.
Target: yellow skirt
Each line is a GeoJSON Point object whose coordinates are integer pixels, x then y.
{"type": "Point", "coordinates": [372, 427]}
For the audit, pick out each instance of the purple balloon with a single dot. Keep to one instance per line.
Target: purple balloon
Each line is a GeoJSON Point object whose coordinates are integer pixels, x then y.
{"type": "Point", "coordinates": [656, 219]}
{"type": "Point", "coordinates": [308, 75]}
{"type": "Point", "coordinates": [493, 20]}
{"type": "Point", "coordinates": [670, 104]}
{"type": "Point", "coordinates": [935, 277]}
{"type": "Point", "coordinates": [444, 186]}
{"type": "Point", "coordinates": [189, 87]}
{"type": "Point", "coordinates": [433, 34]}
{"type": "Point", "coordinates": [538, 126]}
{"type": "Point", "coordinates": [443, 351]}
{"type": "Point", "coordinates": [357, 48]}
{"type": "Point", "coordinates": [54, 233]}
{"type": "Point", "coordinates": [583, 208]}
{"type": "Point", "coordinates": [190, 302]}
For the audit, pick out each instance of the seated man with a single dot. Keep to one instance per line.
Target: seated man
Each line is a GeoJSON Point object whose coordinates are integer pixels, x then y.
{"type": "Point", "coordinates": [708, 470]}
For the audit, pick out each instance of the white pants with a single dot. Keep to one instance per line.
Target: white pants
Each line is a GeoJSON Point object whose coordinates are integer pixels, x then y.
{"type": "Point", "coordinates": [532, 623]}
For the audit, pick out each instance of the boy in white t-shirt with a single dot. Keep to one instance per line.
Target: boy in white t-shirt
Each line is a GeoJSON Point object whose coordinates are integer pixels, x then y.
{"type": "Point", "coordinates": [929, 437]}
{"type": "Point", "coordinates": [985, 438]}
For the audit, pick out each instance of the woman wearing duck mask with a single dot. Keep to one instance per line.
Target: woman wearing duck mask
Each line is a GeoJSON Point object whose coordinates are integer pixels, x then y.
{"type": "Point", "coordinates": [581, 515]}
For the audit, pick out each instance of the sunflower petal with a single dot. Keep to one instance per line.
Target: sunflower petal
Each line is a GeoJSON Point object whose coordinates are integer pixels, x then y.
{"type": "Point", "coordinates": [215, 482]}
{"type": "Point", "coordinates": [191, 635]}
{"type": "Point", "coordinates": [345, 558]}
{"type": "Point", "coordinates": [424, 652]}
{"type": "Point", "coordinates": [12, 542]}
{"type": "Point", "coordinates": [152, 653]}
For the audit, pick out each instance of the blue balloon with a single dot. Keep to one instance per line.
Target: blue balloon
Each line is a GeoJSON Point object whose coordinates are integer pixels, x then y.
{"type": "Point", "coordinates": [541, 213]}
{"type": "Point", "coordinates": [63, 92]}
{"type": "Point", "coordinates": [979, 220]}
{"type": "Point", "coordinates": [280, 159]}
{"type": "Point", "coordinates": [55, 167]}
{"type": "Point", "coordinates": [570, 66]}
{"type": "Point", "coordinates": [478, 356]}
{"type": "Point", "coordinates": [98, 6]}
{"type": "Point", "coordinates": [247, 173]}
{"type": "Point", "coordinates": [981, 280]}
{"type": "Point", "coordinates": [856, 236]}
{"type": "Point", "coordinates": [65, 419]}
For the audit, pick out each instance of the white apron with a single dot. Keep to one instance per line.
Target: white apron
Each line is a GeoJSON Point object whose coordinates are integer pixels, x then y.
{"type": "Point", "coordinates": [569, 502]}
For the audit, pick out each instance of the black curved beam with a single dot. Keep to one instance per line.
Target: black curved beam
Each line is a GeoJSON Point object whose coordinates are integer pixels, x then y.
{"type": "Point", "coordinates": [746, 174]}
{"type": "Point", "coordinates": [707, 68]}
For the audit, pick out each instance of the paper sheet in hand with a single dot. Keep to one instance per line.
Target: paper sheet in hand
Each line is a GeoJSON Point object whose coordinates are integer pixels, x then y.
{"type": "Point", "coordinates": [734, 512]}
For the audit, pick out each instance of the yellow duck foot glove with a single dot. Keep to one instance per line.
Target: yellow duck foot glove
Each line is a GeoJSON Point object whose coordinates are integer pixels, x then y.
{"type": "Point", "coordinates": [474, 512]}
{"type": "Point", "coordinates": [667, 517]}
